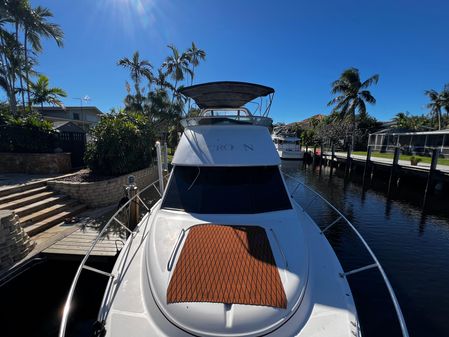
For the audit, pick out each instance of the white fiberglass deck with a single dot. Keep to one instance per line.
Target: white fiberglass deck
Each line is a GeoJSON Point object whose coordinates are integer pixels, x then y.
{"type": "Point", "coordinates": [325, 303]}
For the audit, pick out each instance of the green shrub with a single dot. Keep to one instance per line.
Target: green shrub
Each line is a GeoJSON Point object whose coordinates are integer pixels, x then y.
{"type": "Point", "coordinates": [122, 144]}
{"type": "Point", "coordinates": [28, 134]}
{"type": "Point", "coordinates": [414, 161]}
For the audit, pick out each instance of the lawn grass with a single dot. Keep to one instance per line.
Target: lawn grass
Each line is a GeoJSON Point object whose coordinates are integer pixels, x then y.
{"type": "Point", "coordinates": [424, 159]}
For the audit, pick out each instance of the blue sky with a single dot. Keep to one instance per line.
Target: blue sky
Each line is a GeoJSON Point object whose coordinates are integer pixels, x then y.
{"type": "Point", "coordinates": [297, 47]}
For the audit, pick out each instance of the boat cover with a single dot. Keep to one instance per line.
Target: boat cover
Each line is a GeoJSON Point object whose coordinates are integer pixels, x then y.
{"type": "Point", "coordinates": [226, 145]}
{"type": "Point", "coordinates": [227, 264]}
{"type": "Point", "coordinates": [225, 94]}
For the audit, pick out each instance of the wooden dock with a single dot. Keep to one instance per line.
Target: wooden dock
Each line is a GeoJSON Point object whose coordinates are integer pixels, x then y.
{"type": "Point", "coordinates": [422, 169]}
{"type": "Point", "coordinates": [80, 241]}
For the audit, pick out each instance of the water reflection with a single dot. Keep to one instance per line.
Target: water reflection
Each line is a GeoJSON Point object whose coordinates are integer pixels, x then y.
{"type": "Point", "coordinates": [411, 244]}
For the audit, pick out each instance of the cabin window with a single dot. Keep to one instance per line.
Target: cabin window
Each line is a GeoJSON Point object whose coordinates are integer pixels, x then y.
{"type": "Point", "coordinates": [226, 190]}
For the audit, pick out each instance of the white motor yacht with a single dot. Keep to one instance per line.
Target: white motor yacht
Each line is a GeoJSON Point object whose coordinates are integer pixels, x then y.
{"type": "Point", "coordinates": [226, 251]}
{"type": "Point", "coordinates": [288, 145]}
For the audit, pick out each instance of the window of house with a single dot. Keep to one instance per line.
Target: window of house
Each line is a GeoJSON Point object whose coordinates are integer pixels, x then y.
{"type": "Point", "coordinates": [76, 116]}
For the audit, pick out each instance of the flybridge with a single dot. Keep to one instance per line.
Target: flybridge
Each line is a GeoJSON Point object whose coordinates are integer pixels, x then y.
{"type": "Point", "coordinates": [226, 103]}
{"type": "Point", "coordinates": [228, 94]}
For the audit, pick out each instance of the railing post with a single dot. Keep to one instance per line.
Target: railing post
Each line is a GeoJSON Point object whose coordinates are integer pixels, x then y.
{"type": "Point", "coordinates": [132, 191]}
{"type": "Point", "coordinates": [432, 171]}
{"type": "Point", "coordinates": [159, 167]}
{"type": "Point", "coordinates": [367, 163]}
{"type": "Point", "coordinates": [393, 168]}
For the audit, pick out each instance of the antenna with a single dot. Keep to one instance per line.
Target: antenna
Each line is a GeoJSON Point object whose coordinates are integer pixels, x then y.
{"type": "Point", "coordinates": [85, 99]}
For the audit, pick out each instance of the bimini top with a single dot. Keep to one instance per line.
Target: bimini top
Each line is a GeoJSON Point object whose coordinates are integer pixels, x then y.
{"type": "Point", "coordinates": [226, 145]}
{"type": "Point", "coordinates": [225, 94]}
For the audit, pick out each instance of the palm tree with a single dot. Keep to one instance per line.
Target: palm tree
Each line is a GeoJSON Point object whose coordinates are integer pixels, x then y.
{"type": "Point", "coordinates": [9, 65]}
{"type": "Point", "coordinates": [43, 94]}
{"type": "Point", "coordinates": [36, 25]}
{"type": "Point", "coordinates": [195, 55]}
{"type": "Point", "coordinates": [177, 65]}
{"type": "Point", "coordinates": [161, 80]}
{"type": "Point", "coordinates": [445, 98]}
{"type": "Point", "coordinates": [138, 69]}
{"type": "Point", "coordinates": [435, 105]}
{"type": "Point", "coordinates": [15, 12]}
{"type": "Point", "coordinates": [353, 95]}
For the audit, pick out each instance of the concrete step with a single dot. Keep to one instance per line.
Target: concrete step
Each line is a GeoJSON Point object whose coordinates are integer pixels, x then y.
{"type": "Point", "coordinates": [21, 188]}
{"type": "Point", "coordinates": [17, 204]}
{"type": "Point", "coordinates": [54, 220]}
{"type": "Point", "coordinates": [20, 195]}
{"type": "Point", "coordinates": [47, 212]}
{"type": "Point", "coordinates": [40, 205]}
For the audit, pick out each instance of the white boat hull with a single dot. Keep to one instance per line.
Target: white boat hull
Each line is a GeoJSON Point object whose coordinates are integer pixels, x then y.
{"type": "Point", "coordinates": [294, 155]}
{"type": "Point", "coordinates": [326, 308]}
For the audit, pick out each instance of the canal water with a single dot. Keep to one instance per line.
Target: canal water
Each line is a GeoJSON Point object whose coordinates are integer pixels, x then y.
{"type": "Point", "coordinates": [411, 245]}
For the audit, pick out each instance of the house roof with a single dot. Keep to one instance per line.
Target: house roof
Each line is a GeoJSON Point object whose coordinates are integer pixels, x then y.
{"type": "Point", "coordinates": [87, 109]}
{"type": "Point", "coordinates": [67, 127]}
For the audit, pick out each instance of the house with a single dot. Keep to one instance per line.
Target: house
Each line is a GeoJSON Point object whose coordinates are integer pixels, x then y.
{"type": "Point", "coordinates": [82, 116]}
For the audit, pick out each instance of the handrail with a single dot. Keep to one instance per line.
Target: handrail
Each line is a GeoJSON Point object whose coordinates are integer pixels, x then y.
{"type": "Point", "coordinates": [373, 256]}
{"type": "Point", "coordinates": [82, 266]}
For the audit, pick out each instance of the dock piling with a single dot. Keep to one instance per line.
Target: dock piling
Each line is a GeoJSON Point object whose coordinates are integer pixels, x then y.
{"type": "Point", "coordinates": [321, 154]}
{"type": "Point", "coordinates": [367, 163]}
{"type": "Point", "coordinates": [430, 176]}
{"type": "Point", "coordinates": [348, 161]}
{"type": "Point", "coordinates": [393, 168]}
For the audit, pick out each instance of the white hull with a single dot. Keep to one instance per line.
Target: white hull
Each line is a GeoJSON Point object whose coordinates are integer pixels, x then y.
{"type": "Point", "coordinates": [326, 307]}
{"type": "Point", "coordinates": [294, 155]}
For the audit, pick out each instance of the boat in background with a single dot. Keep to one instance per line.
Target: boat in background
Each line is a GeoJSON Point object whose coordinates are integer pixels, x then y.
{"type": "Point", "coordinates": [287, 144]}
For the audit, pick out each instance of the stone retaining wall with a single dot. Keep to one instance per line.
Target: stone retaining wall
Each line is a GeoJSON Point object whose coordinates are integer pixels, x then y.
{"type": "Point", "coordinates": [15, 244]}
{"type": "Point", "coordinates": [106, 192]}
{"type": "Point", "coordinates": [35, 162]}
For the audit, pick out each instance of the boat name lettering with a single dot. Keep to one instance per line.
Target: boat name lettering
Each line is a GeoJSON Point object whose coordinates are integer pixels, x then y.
{"type": "Point", "coordinates": [229, 147]}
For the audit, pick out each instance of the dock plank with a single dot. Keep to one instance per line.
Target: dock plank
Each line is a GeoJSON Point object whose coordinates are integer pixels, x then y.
{"type": "Point", "coordinates": [79, 242]}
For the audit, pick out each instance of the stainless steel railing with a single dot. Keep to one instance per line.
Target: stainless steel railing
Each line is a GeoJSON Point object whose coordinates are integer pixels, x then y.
{"type": "Point", "coordinates": [376, 263]}
{"type": "Point", "coordinates": [113, 220]}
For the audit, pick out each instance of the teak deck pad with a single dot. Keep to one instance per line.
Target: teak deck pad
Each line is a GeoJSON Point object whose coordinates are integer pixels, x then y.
{"type": "Point", "coordinates": [227, 264]}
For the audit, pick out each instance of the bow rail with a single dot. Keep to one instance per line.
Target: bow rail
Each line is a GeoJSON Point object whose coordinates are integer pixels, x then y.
{"type": "Point", "coordinates": [114, 220]}
{"type": "Point", "coordinates": [376, 263]}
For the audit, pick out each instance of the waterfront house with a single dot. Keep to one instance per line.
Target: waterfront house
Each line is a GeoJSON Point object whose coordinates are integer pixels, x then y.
{"type": "Point", "coordinates": [83, 116]}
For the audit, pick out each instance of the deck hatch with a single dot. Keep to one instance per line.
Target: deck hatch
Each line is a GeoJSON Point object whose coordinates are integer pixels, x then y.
{"type": "Point", "coordinates": [227, 264]}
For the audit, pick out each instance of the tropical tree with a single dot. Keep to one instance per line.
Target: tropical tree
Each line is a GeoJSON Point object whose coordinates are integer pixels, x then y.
{"type": "Point", "coordinates": [195, 55]}
{"type": "Point", "coordinates": [352, 96]}
{"type": "Point", "coordinates": [42, 93]}
{"type": "Point", "coordinates": [413, 123]}
{"type": "Point", "coordinates": [177, 66]}
{"type": "Point", "coordinates": [9, 67]}
{"type": "Point", "coordinates": [445, 98]}
{"type": "Point", "coordinates": [138, 69]}
{"type": "Point", "coordinates": [435, 105]}
{"type": "Point", "coordinates": [16, 63]}
{"type": "Point", "coordinates": [36, 25]}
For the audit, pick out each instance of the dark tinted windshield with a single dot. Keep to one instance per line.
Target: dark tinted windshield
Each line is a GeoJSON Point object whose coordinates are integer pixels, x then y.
{"type": "Point", "coordinates": [226, 190]}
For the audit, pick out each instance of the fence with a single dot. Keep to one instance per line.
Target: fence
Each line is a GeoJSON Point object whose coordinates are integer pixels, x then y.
{"type": "Point", "coordinates": [413, 143]}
